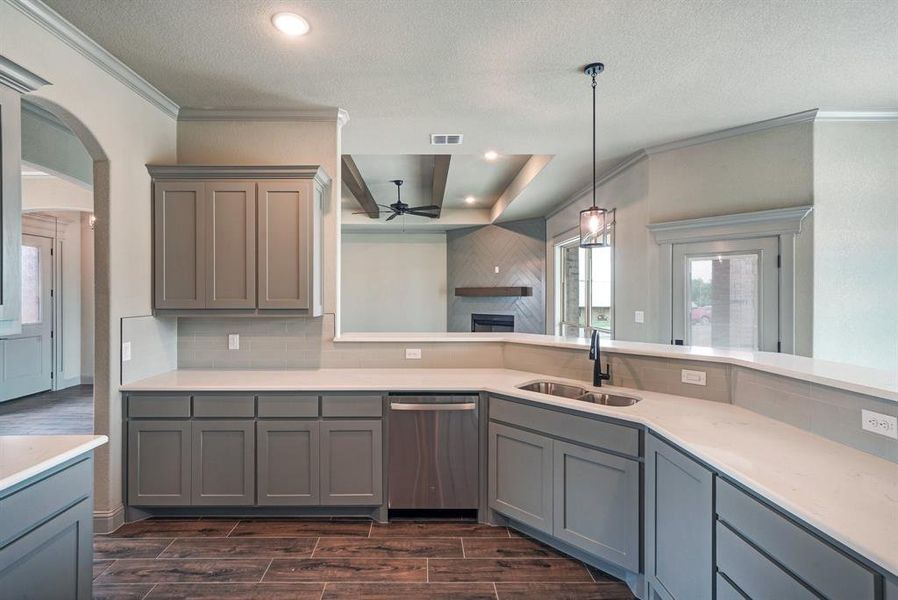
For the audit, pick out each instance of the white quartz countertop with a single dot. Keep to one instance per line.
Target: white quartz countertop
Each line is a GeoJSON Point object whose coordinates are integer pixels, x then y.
{"type": "Point", "coordinates": [24, 456]}
{"type": "Point", "coordinates": [845, 493]}
{"type": "Point", "coordinates": [862, 380]}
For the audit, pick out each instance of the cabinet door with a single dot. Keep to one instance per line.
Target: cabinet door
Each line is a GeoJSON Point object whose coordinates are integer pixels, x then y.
{"type": "Point", "coordinates": [179, 251]}
{"type": "Point", "coordinates": [596, 503]}
{"type": "Point", "coordinates": [351, 463]}
{"type": "Point", "coordinates": [287, 237]}
{"type": "Point", "coordinates": [53, 561]}
{"type": "Point", "coordinates": [222, 463]}
{"type": "Point", "coordinates": [520, 476]}
{"type": "Point", "coordinates": [159, 463]}
{"type": "Point", "coordinates": [679, 521]}
{"type": "Point", "coordinates": [230, 244]}
{"type": "Point", "coordinates": [287, 463]}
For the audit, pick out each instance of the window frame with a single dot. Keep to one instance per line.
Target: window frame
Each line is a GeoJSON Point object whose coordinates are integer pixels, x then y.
{"type": "Point", "coordinates": [560, 323]}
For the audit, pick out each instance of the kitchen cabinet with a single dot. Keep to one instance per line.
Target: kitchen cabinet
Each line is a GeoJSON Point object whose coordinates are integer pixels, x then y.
{"type": "Point", "coordinates": [287, 463]}
{"type": "Point", "coordinates": [245, 240]}
{"type": "Point", "coordinates": [596, 503]}
{"type": "Point", "coordinates": [520, 476]}
{"type": "Point", "coordinates": [679, 520]}
{"type": "Point", "coordinates": [351, 462]}
{"type": "Point", "coordinates": [159, 463]}
{"type": "Point", "coordinates": [223, 462]}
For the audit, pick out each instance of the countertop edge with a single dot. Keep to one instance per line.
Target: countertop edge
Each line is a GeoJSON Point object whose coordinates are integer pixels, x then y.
{"type": "Point", "coordinates": [48, 463]}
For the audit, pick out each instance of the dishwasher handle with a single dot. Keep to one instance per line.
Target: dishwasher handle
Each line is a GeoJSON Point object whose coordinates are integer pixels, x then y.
{"type": "Point", "coordinates": [433, 406]}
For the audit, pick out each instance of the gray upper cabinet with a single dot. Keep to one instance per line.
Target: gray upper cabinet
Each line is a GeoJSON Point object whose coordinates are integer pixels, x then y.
{"type": "Point", "coordinates": [287, 459]}
{"type": "Point", "coordinates": [230, 244]}
{"type": "Point", "coordinates": [351, 462]}
{"type": "Point", "coordinates": [223, 462]}
{"type": "Point", "coordinates": [679, 522]}
{"type": "Point", "coordinates": [158, 463]}
{"type": "Point", "coordinates": [596, 503]}
{"type": "Point", "coordinates": [245, 239]}
{"type": "Point", "coordinates": [179, 269]}
{"type": "Point", "coordinates": [520, 476]}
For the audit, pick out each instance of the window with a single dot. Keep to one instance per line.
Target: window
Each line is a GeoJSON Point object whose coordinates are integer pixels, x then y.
{"type": "Point", "coordinates": [31, 285]}
{"type": "Point", "coordinates": [585, 292]}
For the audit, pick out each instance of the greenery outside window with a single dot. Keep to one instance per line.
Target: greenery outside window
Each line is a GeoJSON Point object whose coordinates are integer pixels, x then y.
{"type": "Point", "coordinates": [585, 292]}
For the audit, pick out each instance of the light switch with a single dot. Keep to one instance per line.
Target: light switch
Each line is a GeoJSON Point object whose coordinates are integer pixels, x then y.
{"type": "Point", "coordinates": [497, 269]}
{"type": "Point", "coordinates": [693, 377]}
{"type": "Point", "coordinates": [639, 316]}
{"type": "Point", "coordinates": [233, 341]}
{"type": "Point", "coordinates": [126, 351]}
{"type": "Point", "coordinates": [413, 353]}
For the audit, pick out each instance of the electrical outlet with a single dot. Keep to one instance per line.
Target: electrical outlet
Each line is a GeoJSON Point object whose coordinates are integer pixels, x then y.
{"type": "Point", "coordinates": [639, 316]}
{"type": "Point", "coordinates": [497, 269]}
{"type": "Point", "coordinates": [233, 341]}
{"type": "Point", "coordinates": [875, 422]}
{"type": "Point", "coordinates": [693, 377]}
{"type": "Point", "coordinates": [413, 353]}
{"type": "Point", "coordinates": [126, 351]}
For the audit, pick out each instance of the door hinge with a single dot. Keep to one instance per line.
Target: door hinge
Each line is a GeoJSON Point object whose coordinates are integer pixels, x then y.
{"type": "Point", "coordinates": [51, 375]}
{"type": "Point", "coordinates": [51, 293]}
{"type": "Point", "coordinates": [779, 346]}
{"type": "Point", "coordinates": [779, 261]}
{"type": "Point", "coordinates": [51, 251]}
{"type": "Point", "coordinates": [51, 335]}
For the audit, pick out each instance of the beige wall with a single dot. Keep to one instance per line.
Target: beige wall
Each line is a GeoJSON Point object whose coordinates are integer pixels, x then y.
{"type": "Point", "coordinates": [393, 282]}
{"type": "Point", "coordinates": [114, 124]}
{"type": "Point", "coordinates": [755, 171]}
{"type": "Point", "coordinates": [53, 193]}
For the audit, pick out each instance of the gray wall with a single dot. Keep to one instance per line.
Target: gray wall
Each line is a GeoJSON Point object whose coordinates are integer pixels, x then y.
{"type": "Point", "coordinates": [856, 242]}
{"type": "Point", "coordinates": [518, 249]}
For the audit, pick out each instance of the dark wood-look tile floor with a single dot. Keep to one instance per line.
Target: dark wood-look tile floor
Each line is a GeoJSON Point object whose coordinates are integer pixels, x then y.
{"type": "Point", "coordinates": [65, 412]}
{"type": "Point", "coordinates": [337, 559]}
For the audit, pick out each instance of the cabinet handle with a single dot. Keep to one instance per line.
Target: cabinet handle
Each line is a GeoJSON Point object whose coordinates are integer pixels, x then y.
{"type": "Point", "coordinates": [433, 407]}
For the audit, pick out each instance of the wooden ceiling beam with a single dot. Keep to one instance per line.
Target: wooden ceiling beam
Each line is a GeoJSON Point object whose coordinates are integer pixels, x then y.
{"type": "Point", "coordinates": [352, 177]}
{"type": "Point", "coordinates": [440, 176]}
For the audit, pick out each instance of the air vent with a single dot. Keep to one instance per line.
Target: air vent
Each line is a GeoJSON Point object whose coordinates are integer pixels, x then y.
{"type": "Point", "coordinates": [446, 139]}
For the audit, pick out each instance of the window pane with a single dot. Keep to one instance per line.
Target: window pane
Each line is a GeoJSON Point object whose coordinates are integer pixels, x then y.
{"type": "Point", "coordinates": [601, 288]}
{"type": "Point", "coordinates": [31, 285]}
{"type": "Point", "coordinates": [723, 301]}
{"type": "Point", "coordinates": [573, 285]}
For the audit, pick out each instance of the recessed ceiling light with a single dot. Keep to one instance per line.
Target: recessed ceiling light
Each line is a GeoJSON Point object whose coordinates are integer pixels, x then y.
{"type": "Point", "coordinates": [491, 155]}
{"type": "Point", "coordinates": [290, 24]}
{"type": "Point", "coordinates": [470, 199]}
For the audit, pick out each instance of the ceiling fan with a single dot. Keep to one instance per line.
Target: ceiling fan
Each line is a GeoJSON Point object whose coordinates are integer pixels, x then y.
{"type": "Point", "coordinates": [401, 208]}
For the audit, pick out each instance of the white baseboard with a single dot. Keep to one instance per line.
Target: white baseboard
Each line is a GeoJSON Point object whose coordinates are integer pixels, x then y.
{"type": "Point", "coordinates": [107, 521]}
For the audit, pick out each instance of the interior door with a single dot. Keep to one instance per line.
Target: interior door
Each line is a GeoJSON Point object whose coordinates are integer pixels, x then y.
{"type": "Point", "coordinates": [726, 294]}
{"type": "Point", "coordinates": [27, 357]}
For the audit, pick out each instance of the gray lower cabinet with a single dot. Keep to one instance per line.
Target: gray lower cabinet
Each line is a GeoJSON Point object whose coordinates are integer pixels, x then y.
{"type": "Point", "coordinates": [287, 463]}
{"type": "Point", "coordinates": [223, 462]}
{"type": "Point", "coordinates": [891, 589]}
{"type": "Point", "coordinates": [159, 463]}
{"type": "Point", "coordinates": [520, 476]}
{"type": "Point", "coordinates": [679, 521]}
{"type": "Point", "coordinates": [351, 462]}
{"type": "Point", "coordinates": [596, 503]}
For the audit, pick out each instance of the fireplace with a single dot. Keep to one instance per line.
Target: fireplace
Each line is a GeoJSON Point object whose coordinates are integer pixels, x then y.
{"type": "Point", "coordinates": [482, 322]}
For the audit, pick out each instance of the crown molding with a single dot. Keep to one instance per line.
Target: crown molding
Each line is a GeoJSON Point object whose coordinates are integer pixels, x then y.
{"type": "Point", "coordinates": [872, 116]}
{"type": "Point", "coordinates": [19, 78]}
{"type": "Point", "coordinates": [324, 115]}
{"type": "Point", "coordinates": [604, 178]}
{"type": "Point", "coordinates": [239, 172]}
{"type": "Point", "coordinates": [56, 24]}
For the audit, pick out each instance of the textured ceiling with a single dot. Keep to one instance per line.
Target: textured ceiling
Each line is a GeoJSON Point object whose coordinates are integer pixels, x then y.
{"type": "Point", "coordinates": [506, 72]}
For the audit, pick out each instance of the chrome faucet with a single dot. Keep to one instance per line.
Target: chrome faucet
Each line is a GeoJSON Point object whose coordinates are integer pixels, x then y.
{"type": "Point", "coordinates": [595, 355]}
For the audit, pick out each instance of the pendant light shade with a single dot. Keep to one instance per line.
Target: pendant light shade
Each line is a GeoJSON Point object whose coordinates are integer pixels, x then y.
{"type": "Point", "coordinates": [595, 222]}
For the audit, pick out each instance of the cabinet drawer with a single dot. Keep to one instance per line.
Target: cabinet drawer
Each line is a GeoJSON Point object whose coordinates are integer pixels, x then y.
{"type": "Point", "coordinates": [159, 406]}
{"type": "Point", "coordinates": [351, 406]}
{"type": "Point", "coordinates": [818, 564]}
{"type": "Point", "coordinates": [757, 576]}
{"type": "Point", "coordinates": [579, 429]}
{"type": "Point", "coordinates": [224, 406]}
{"type": "Point", "coordinates": [26, 508]}
{"type": "Point", "coordinates": [288, 405]}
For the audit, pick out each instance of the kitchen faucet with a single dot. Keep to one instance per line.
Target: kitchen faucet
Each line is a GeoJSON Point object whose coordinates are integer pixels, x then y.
{"type": "Point", "coordinates": [595, 355]}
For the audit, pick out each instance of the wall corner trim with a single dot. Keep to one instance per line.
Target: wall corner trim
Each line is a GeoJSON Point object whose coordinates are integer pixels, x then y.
{"type": "Point", "coordinates": [56, 24]}
{"type": "Point", "coordinates": [19, 78]}
{"type": "Point", "coordinates": [323, 115]}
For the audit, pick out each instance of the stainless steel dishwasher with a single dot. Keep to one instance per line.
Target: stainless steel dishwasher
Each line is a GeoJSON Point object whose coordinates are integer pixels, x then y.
{"type": "Point", "coordinates": [434, 452]}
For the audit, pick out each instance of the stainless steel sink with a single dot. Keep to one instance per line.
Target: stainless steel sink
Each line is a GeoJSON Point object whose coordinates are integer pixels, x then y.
{"type": "Point", "coordinates": [554, 389]}
{"type": "Point", "coordinates": [573, 392]}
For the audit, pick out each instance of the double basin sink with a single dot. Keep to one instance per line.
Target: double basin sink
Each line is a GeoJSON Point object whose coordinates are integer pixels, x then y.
{"type": "Point", "coordinates": [572, 392]}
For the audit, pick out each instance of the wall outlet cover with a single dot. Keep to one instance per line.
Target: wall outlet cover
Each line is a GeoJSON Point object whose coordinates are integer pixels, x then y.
{"type": "Point", "coordinates": [639, 316]}
{"type": "Point", "coordinates": [413, 353]}
{"type": "Point", "coordinates": [126, 351]}
{"type": "Point", "coordinates": [693, 377]}
{"type": "Point", "coordinates": [875, 422]}
{"type": "Point", "coordinates": [233, 341]}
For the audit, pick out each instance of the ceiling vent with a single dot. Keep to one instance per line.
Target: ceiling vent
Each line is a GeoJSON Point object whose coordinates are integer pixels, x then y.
{"type": "Point", "coordinates": [446, 139]}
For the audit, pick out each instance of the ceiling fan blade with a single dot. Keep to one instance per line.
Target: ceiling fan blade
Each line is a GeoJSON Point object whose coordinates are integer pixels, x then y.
{"type": "Point", "coordinates": [423, 214]}
{"type": "Point", "coordinates": [393, 216]}
{"type": "Point", "coordinates": [431, 207]}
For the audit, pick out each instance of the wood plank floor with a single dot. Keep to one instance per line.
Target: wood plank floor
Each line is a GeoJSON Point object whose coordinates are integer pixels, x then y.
{"type": "Point", "coordinates": [336, 559]}
{"type": "Point", "coordinates": [65, 412]}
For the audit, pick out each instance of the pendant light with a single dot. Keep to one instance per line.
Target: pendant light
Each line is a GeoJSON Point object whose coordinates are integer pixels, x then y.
{"type": "Point", "coordinates": [595, 222]}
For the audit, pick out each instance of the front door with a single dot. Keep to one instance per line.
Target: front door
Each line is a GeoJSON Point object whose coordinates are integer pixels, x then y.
{"type": "Point", "coordinates": [726, 294]}
{"type": "Point", "coordinates": [27, 357]}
